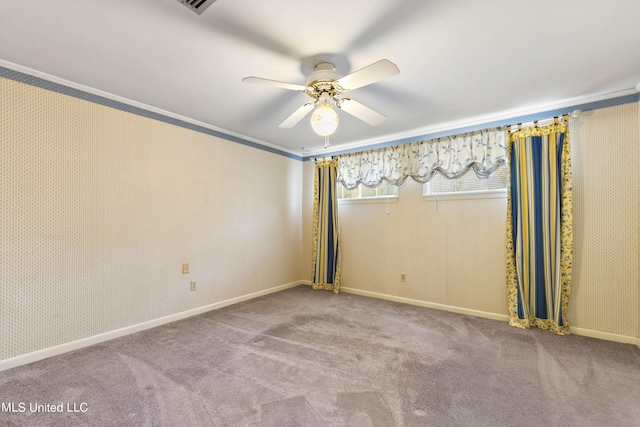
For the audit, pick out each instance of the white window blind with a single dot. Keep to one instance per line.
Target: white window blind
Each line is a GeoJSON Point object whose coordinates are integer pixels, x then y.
{"type": "Point", "coordinates": [468, 182]}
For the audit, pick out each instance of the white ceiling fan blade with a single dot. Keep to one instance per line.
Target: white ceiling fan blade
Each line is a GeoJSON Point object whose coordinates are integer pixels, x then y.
{"type": "Point", "coordinates": [297, 115]}
{"type": "Point", "coordinates": [358, 110]}
{"type": "Point", "coordinates": [373, 73]}
{"type": "Point", "coordinates": [274, 83]}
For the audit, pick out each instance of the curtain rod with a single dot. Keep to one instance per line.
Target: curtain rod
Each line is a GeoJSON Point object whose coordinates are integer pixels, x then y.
{"type": "Point", "coordinates": [564, 117]}
{"type": "Point", "coordinates": [541, 122]}
{"type": "Point", "coordinates": [319, 159]}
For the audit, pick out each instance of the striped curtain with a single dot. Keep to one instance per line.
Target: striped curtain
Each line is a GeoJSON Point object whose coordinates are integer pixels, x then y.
{"type": "Point", "coordinates": [540, 227]}
{"type": "Point", "coordinates": [326, 235]}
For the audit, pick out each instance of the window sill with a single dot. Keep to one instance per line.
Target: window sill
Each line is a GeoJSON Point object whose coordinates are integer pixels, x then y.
{"type": "Point", "coordinates": [488, 194]}
{"type": "Point", "coordinates": [379, 199]}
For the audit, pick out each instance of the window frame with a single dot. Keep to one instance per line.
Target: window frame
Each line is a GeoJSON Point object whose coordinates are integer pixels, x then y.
{"type": "Point", "coordinates": [468, 194]}
{"type": "Point", "coordinates": [387, 198]}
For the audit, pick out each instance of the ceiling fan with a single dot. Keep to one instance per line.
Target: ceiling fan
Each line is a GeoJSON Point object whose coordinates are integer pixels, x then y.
{"type": "Point", "coordinates": [324, 85]}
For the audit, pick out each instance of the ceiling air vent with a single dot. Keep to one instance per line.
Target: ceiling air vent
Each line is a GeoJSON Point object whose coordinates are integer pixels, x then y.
{"type": "Point", "coordinates": [198, 6]}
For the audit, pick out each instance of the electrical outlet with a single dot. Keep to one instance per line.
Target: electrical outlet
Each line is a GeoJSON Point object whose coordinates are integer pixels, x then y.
{"type": "Point", "coordinates": [185, 267]}
{"type": "Point", "coordinates": [403, 277]}
{"type": "Point", "coordinates": [193, 285]}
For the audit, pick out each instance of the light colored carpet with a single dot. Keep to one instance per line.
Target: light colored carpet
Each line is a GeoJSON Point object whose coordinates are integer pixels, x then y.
{"type": "Point", "coordinates": [311, 358]}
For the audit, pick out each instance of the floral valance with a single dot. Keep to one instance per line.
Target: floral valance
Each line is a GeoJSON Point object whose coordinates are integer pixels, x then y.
{"type": "Point", "coordinates": [452, 157]}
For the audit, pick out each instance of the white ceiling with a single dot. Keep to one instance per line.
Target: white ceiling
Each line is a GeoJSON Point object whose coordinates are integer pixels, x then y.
{"type": "Point", "coordinates": [460, 60]}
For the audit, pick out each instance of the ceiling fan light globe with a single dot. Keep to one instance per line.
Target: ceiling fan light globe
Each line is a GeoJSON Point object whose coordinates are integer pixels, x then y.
{"type": "Point", "coordinates": [324, 120]}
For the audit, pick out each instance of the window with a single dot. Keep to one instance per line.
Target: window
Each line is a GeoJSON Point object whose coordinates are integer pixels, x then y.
{"type": "Point", "coordinates": [469, 185]}
{"type": "Point", "coordinates": [384, 190]}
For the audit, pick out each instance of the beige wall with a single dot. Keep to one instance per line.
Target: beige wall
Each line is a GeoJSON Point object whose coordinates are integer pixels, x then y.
{"type": "Point", "coordinates": [605, 279]}
{"type": "Point", "coordinates": [99, 208]}
{"type": "Point", "coordinates": [455, 255]}
{"type": "Point", "coordinates": [452, 252]}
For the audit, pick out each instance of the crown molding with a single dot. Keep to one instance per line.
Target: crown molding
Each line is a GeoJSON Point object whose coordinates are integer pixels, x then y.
{"type": "Point", "coordinates": [157, 113]}
{"type": "Point", "coordinates": [488, 120]}
{"type": "Point", "coordinates": [428, 132]}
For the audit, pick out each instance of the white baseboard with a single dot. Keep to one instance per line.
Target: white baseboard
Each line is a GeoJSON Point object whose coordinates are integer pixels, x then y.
{"type": "Point", "coordinates": [427, 304]}
{"type": "Point", "coordinates": [607, 336]}
{"type": "Point", "coordinates": [96, 339]}
{"type": "Point", "coordinates": [487, 315]}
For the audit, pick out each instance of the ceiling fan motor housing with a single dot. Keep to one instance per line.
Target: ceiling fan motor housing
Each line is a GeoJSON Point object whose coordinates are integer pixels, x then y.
{"type": "Point", "coordinates": [322, 79]}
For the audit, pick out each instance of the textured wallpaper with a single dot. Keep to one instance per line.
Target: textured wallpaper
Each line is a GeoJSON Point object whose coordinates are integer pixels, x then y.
{"type": "Point", "coordinates": [454, 254]}
{"type": "Point", "coordinates": [99, 208]}
{"type": "Point", "coordinates": [605, 180]}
